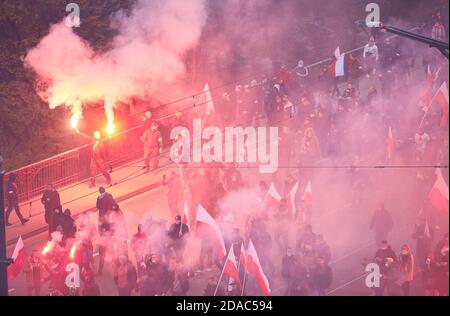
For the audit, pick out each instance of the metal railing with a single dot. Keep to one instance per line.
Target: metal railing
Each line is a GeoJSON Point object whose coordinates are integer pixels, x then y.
{"type": "Point", "coordinates": [73, 166]}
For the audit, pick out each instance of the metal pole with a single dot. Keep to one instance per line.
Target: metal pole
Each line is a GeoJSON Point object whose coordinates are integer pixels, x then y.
{"type": "Point", "coordinates": [4, 261]}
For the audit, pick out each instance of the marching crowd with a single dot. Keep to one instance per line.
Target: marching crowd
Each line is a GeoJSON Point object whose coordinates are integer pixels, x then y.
{"type": "Point", "coordinates": [317, 117]}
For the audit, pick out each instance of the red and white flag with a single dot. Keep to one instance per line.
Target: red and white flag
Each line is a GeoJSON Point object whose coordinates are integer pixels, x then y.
{"type": "Point", "coordinates": [337, 68]}
{"type": "Point", "coordinates": [291, 199]}
{"type": "Point", "coordinates": [231, 268]}
{"type": "Point", "coordinates": [19, 260]}
{"type": "Point", "coordinates": [186, 219]}
{"type": "Point", "coordinates": [254, 268]}
{"type": "Point", "coordinates": [273, 198]}
{"type": "Point", "coordinates": [439, 193]}
{"type": "Point", "coordinates": [207, 228]}
{"type": "Point", "coordinates": [307, 196]}
{"type": "Point", "coordinates": [441, 98]}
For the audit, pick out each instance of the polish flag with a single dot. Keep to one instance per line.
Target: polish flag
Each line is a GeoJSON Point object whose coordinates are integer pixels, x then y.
{"type": "Point", "coordinates": [439, 193]}
{"type": "Point", "coordinates": [291, 199]}
{"type": "Point", "coordinates": [231, 268]}
{"type": "Point", "coordinates": [337, 68]}
{"type": "Point", "coordinates": [207, 228]}
{"type": "Point", "coordinates": [254, 267]}
{"type": "Point", "coordinates": [307, 196]}
{"type": "Point", "coordinates": [19, 260]}
{"type": "Point", "coordinates": [390, 144]}
{"type": "Point", "coordinates": [273, 198]}
{"type": "Point", "coordinates": [441, 97]}
{"type": "Point", "coordinates": [186, 217]}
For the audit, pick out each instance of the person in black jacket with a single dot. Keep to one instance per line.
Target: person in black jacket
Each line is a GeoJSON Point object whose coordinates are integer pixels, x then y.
{"type": "Point", "coordinates": [90, 287]}
{"type": "Point", "coordinates": [125, 276]}
{"type": "Point", "coordinates": [322, 276]}
{"type": "Point", "coordinates": [68, 224]}
{"type": "Point", "coordinates": [386, 258]}
{"type": "Point", "coordinates": [288, 269]}
{"type": "Point", "coordinates": [178, 233]}
{"type": "Point", "coordinates": [57, 220]}
{"type": "Point", "coordinates": [211, 286]}
{"type": "Point", "coordinates": [12, 199]}
{"type": "Point", "coordinates": [157, 281]}
{"type": "Point", "coordinates": [105, 202]}
{"type": "Point", "coordinates": [51, 201]}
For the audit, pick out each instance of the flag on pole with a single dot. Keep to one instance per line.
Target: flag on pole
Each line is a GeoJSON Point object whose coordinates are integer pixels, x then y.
{"type": "Point", "coordinates": [231, 268]}
{"type": "Point", "coordinates": [254, 268]}
{"type": "Point", "coordinates": [441, 98]}
{"type": "Point", "coordinates": [207, 228]}
{"type": "Point", "coordinates": [307, 196]}
{"type": "Point", "coordinates": [291, 199]}
{"type": "Point", "coordinates": [243, 256]}
{"type": "Point", "coordinates": [425, 92]}
{"type": "Point", "coordinates": [439, 193]}
{"type": "Point", "coordinates": [273, 198]}
{"type": "Point", "coordinates": [186, 217]}
{"type": "Point", "coordinates": [390, 144]}
{"type": "Point", "coordinates": [426, 230]}
{"type": "Point", "coordinates": [206, 100]}
{"type": "Point", "coordinates": [18, 259]}
{"type": "Point", "coordinates": [337, 68]}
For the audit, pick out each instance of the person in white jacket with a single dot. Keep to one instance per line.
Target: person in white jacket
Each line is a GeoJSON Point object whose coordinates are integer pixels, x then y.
{"type": "Point", "coordinates": [371, 55]}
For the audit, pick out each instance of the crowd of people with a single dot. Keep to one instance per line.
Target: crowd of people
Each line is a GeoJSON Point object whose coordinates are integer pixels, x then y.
{"type": "Point", "coordinates": [320, 117]}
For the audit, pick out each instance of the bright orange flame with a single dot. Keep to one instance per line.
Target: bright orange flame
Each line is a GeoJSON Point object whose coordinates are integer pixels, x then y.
{"type": "Point", "coordinates": [47, 248]}
{"type": "Point", "coordinates": [74, 121]}
{"type": "Point", "coordinates": [110, 128]}
{"type": "Point", "coordinates": [72, 251]}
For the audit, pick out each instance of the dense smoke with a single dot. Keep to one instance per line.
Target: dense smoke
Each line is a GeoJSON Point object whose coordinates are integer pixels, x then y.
{"type": "Point", "coordinates": [145, 57]}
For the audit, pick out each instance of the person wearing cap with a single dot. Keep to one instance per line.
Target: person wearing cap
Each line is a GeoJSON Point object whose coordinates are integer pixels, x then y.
{"type": "Point", "coordinates": [178, 233]}
{"type": "Point", "coordinates": [152, 141]}
{"type": "Point", "coordinates": [12, 199]}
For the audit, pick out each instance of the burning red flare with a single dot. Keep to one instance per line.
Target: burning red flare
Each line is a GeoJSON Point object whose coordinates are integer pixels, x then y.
{"type": "Point", "coordinates": [47, 248]}
{"type": "Point", "coordinates": [73, 251]}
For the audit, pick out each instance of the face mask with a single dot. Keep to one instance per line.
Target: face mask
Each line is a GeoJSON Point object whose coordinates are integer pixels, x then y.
{"type": "Point", "coordinates": [405, 252]}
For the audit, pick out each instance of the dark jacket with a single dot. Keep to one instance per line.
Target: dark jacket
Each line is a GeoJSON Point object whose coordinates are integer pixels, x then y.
{"type": "Point", "coordinates": [68, 225]}
{"type": "Point", "coordinates": [174, 231]}
{"type": "Point", "coordinates": [157, 281]}
{"type": "Point", "coordinates": [51, 200]}
{"type": "Point", "coordinates": [322, 277]}
{"type": "Point", "coordinates": [105, 203]}
{"type": "Point", "coordinates": [11, 192]}
{"type": "Point", "coordinates": [288, 266]}
{"type": "Point", "coordinates": [57, 220]}
{"type": "Point", "coordinates": [91, 290]}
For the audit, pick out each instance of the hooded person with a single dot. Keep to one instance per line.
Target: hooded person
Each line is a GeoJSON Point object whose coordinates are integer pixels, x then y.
{"type": "Point", "coordinates": [13, 200]}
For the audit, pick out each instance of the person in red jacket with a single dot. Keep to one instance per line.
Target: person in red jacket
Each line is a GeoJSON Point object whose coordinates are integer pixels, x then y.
{"type": "Point", "coordinates": [152, 141]}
